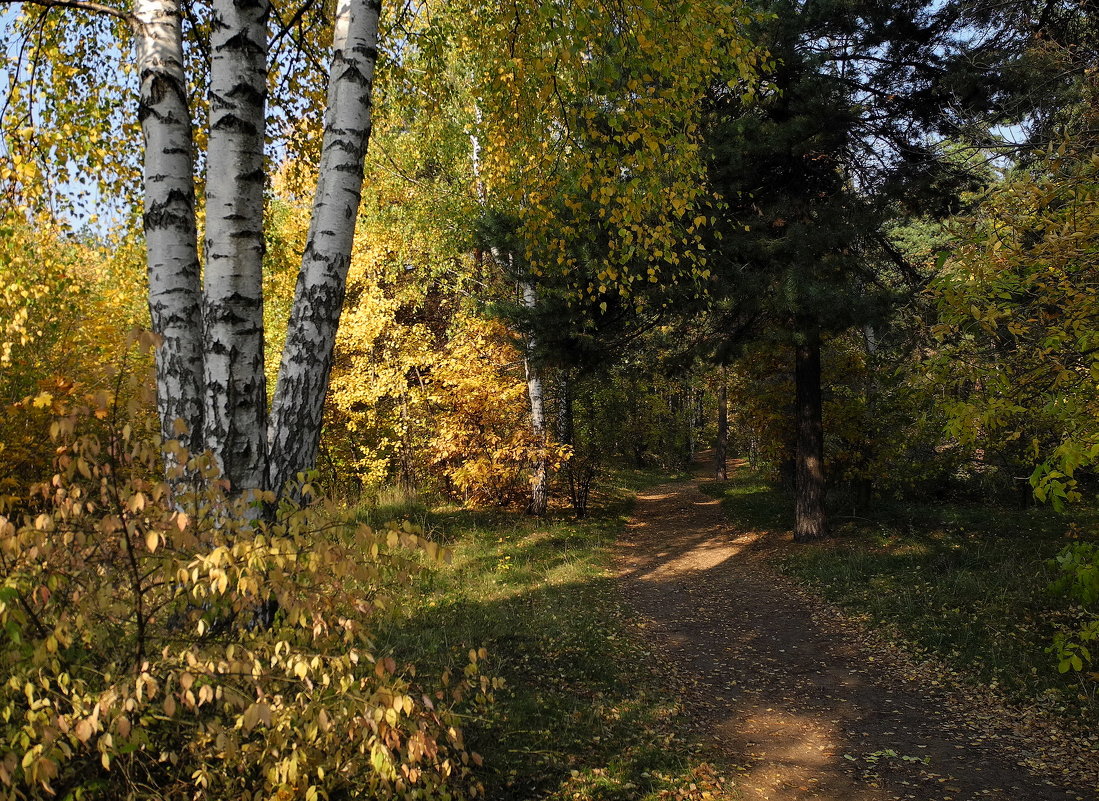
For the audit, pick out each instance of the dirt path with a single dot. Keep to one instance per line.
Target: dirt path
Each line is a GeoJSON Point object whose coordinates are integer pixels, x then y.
{"type": "Point", "coordinates": [796, 702]}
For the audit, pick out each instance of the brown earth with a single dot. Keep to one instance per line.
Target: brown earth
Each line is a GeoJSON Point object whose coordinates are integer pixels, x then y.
{"type": "Point", "coordinates": [798, 702]}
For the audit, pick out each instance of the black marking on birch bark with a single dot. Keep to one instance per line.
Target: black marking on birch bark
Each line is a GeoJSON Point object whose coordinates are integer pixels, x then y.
{"type": "Point", "coordinates": [175, 290]}
{"type": "Point", "coordinates": [156, 86]}
{"type": "Point", "coordinates": [352, 73]}
{"type": "Point", "coordinates": [160, 178]}
{"type": "Point", "coordinates": [352, 147]}
{"type": "Point", "coordinates": [241, 43]}
{"type": "Point", "coordinates": [175, 212]}
{"type": "Point", "coordinates": [245, 5]}
{"type": "Point", "coordinates": [231, 122]}
{"type": "Point", "coordinates": [247, 94]}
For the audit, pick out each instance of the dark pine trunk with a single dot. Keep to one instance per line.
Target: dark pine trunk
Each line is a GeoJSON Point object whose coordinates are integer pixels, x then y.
{"type": "Point", "coordinates": [722, 471]}
{"type": "Point", "coordinates": [809, 519]}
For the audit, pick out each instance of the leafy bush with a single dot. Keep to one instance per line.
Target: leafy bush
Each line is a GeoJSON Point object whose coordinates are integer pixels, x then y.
{"type": "Point", "coordinates": [186, 644]}
{"type": "Point", "coordinates": [1079, 580]}
{"type": "Point", "coordinates": [483, 445]}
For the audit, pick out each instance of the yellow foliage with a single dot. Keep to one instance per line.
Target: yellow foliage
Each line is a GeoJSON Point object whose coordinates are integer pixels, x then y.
{"type": "Point", "coordinates": [482, 440]}
{"type": "Point", "coordinates": [181, 648]}
{"type": "Point", "coordinates": [66, 307]}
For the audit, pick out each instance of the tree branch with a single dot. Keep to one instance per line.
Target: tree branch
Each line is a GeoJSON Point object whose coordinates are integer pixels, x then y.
{"type": "Point", "coordinates": [82, 5]}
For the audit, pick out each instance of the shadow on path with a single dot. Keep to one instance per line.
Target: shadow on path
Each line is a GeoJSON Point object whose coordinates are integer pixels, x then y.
{"type": "Point", "coordinates": [800, 707]}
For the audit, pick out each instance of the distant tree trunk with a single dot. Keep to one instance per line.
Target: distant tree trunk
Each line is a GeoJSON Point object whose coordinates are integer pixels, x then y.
{"type": "Point", "coordinates": [539, 497]}
{"type": "Point", "coordinates": [865, 488]}
{"type": "Point", "coordinates": [689, 407]}
{"type": "Point", "coordinates": [171, 239]}
{"type": "Point", "coordinates": [721, 471]}
{"type": "Point", "coordinates": [298, 405]}
{"type": "Point", "coordinates": [809, 517]}
{"type": "Point", "coordinates": [236, 389]}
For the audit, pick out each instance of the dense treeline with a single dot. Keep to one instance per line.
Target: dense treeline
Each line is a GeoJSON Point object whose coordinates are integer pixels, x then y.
{"type": "Point", "coordinates": [853, 243]}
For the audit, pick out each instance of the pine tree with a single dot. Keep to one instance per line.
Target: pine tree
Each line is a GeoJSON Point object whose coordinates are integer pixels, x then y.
{"type": "Point", "coordinates": [847, 131]}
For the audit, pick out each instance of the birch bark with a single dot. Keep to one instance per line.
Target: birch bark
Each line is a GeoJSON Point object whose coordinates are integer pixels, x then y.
{"type": "Point", "coordinates": [318, 297]}
{"type": "Point", "coordinates": [236, 393]}
{"type": "Point", "coordinates": [171, 239]}
{"type": "Point", "coordinates": [539, 497]}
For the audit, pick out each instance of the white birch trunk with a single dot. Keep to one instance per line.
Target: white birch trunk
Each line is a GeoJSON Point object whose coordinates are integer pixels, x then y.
{"type": "Point", "coordinates": [298, 405]}
{"type": "Point", "coordinates": [539, 496]}
{"type": "Point", "coordinates": [236, 393]}
{"type": "Point", "coordinates": [171, 240]}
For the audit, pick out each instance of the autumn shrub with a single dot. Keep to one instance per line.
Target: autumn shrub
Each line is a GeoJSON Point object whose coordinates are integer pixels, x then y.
{"type": "Point", "coordinates": [161, 639]}
{"type": "Point", "coordinates": [482, 444]}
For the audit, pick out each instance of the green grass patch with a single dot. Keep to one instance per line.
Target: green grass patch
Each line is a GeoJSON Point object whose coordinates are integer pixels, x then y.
{"type": "Point", "coordinates": [584, 712]}
{"type": "Point", "coordinates": [967, 582]}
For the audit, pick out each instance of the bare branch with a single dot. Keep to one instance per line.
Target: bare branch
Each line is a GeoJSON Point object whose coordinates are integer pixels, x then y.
{"type": "Point", "coordinates": [82, 5]}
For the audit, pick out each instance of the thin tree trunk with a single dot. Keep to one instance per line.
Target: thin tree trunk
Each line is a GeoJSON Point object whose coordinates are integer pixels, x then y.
{"type": "Point", "coordinates": [539, 496]}
{"type": "Point", "coordinates": [566, 426]}
{"type": "Point", "coordinates": [236, 392]}
{"type": "Point", "coordinates": [298, 406]}
{"type": "Point", "coordinates": [690, 405]}
{"type": "Point", "coordinates": [171, 239]}
{"type": "Point", "coordinates": [721, 467]}
{"type": "Point", "coordinates": [576, 467]}
{"type": "Point", "coordinates": [872, 390]}
{"type": "Point", "coordinates": [809, 517]}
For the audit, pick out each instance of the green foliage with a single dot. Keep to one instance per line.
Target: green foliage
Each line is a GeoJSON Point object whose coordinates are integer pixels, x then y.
{"type": "Point", "coordinates": [188, 647]}
{"type": "Point", "coordinates": [1078, 566]}
{"type": "Point", "coordinates": [589, 117]}
{"type": "Point", "coordinates": [1016, 334]}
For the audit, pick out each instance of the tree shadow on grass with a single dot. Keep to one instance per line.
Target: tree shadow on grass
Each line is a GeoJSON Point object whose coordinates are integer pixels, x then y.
{"type": "Point", "coordinates": [579, 695]}
{"type": "Point", "coordinates": [584, 712]}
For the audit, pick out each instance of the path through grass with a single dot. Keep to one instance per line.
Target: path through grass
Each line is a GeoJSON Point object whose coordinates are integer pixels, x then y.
{"type": "Point", "coordinates": [586, 712]}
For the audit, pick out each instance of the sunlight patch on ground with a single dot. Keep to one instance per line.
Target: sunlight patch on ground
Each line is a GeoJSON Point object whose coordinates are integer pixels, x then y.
{"type": "Point", "coordinates": [703, 556]}
{"type": "Point", "coordinates": [651, 497]}
{"type": "Point", "coordinates": [790, 753]}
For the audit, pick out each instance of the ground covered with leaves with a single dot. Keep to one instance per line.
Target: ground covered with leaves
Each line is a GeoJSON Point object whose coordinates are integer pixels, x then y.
{"type": "Point", "coordinates": [957, 595]}
{"type": "Point", "coordinates": [965, 582]}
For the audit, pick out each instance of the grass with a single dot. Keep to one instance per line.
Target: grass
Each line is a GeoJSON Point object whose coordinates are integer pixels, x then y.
{"type": "Point", "coordinates": [585, 713]}
{"type": "Point", "coordinates": [964, 581]}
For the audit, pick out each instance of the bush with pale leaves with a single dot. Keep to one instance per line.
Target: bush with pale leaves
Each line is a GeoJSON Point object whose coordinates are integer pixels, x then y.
{"type": "Point", "coordinates": [193, 645]}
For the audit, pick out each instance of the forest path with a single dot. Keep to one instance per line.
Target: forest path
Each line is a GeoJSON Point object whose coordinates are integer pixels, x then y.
{"type": "Point", "coordinates": [793, 697]}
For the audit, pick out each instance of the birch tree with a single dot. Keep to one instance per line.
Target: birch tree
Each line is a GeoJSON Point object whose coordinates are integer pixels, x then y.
{"type": "Point", "coordinates": [318, 296]}
{"type": "Point", "coordinates": [235, 389]}
{"type": "Point", "coordinates": [211, 388]}
{"type": "Point", "coordinates": [539, 497]}
{"type": "Point", "coordinates": [171, 238]}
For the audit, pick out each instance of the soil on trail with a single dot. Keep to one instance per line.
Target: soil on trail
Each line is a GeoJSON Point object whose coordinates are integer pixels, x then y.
{"type": "Point", "coordinates": [791, 696]}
